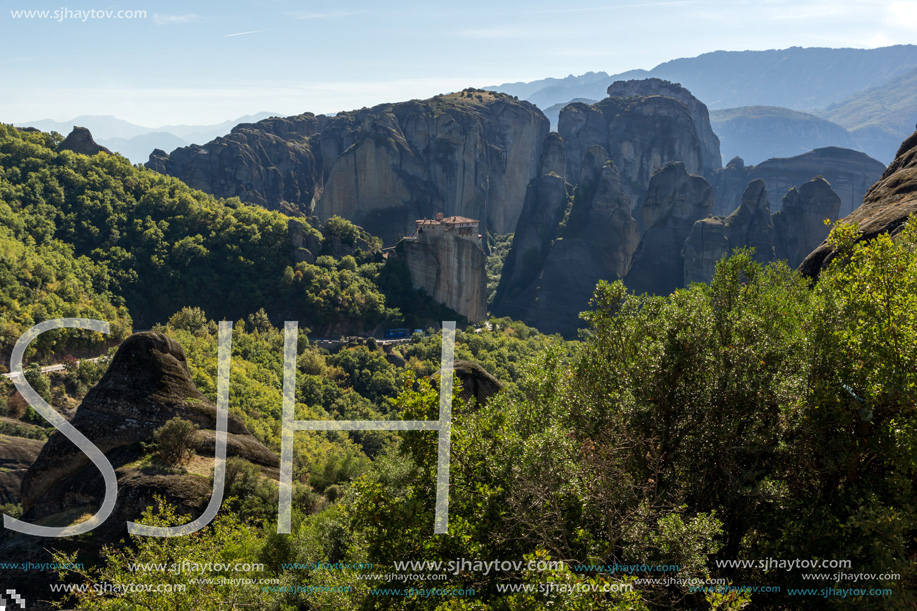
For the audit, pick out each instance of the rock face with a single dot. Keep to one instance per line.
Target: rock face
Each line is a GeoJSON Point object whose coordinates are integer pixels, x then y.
{"type": "Point", "coordinates": [705, 246]}
{"type": "Point", "coordinates": [477, 382]}
{"type": "Point", "coordinates": [640, 134]}
{"type": "Point", "coordinates": [799, 225]}
{"type": "Point", "coordinates": [674, 201]}
{"type": "Point", "coordinates": [554, 267]}
{"type": "Point", "coordinates": [728, 186]}
{"type": "Point", "coordinates": [885, 209]}
{"type": "Point", "coordinates": [468, 154]}
{"type": "Point", "coordinates": [447, 261]}
{"type": "Point", "coordinates": [147, 383]}
{"type": "Point", "coordinates": [850, 174]}
{"type": "Point", "coordinates": [546, 200]}
{"type": "Point", "coordinates": [80, 141]}
{"type": "Point", "coordinates": [16, 455]}
{"type": "Point", "coordinates": [698, 110]}
{"type": "Point", "coordinates": [751, 224]}
{"type": "Point", "coordinates": [275, 163]}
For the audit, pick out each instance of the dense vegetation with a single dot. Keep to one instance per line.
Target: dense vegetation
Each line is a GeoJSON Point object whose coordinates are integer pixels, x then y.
{"type": "Point", "coordinates": [99, 238]}
{"type": "Point", "coordinates": [756, 417]}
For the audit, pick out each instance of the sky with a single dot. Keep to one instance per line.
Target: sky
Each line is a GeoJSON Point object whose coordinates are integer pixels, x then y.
{"type": "Point", "coordinates": [203, 63]}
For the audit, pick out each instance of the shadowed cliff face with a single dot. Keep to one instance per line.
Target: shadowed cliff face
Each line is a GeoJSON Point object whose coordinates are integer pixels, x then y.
{"type": "Point", "coordinates": [553, 267]}
{"type": "Point", "coordinates": [654, 86]}
{"type": "Point", "coordinates": [468, 154]}
{"type": "Point", "coordinates": [275, 163]}
{"type": "Point", "coordinates": [640, 134]}
{"type": "Point", "coordinates": [147, 383]}
{"type": "Point", "coordinates": [885, 209]}
{"type": "Point", "coordinates": [850, 174]}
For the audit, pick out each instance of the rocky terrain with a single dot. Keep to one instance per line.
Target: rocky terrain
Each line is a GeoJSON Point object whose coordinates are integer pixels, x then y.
{"type": "Point", "coordinates": [274, 163]}
{"type": "Point", "coordinates": [80, 141]}
{"type": "Point", "coordinates": [450, 268]}
{"type": "Point", "coordinates": [640, 134]}
{"type": "Point", "coordinates": [470, 154]}
{"type": "Point", "coordinates": [147, 383]}
{"type": "Point", "coordinates": [710, 143]}
{"type": "Point", "coordinates": [850, 174]}
{"type": "Point", "coordinates": [886, 207]}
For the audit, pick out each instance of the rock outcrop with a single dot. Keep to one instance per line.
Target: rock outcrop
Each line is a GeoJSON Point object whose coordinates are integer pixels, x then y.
{"type": "Point", "coordinates": [886, 207]}
{"type": "Point", "coordinates": [554, 267]}
{"type": "Point", "coordinates": [655, 86]}
{"type": "Point", "coordinates": [850, 174]}
{"type": "Point", "coordinates": [469, 154]}
{"type": "Point", "coordinates": [705, 246]}
{"type": "Point", "coordinates": [728, 185]}
{"type": "Point", "coordinates": [80, 141]}
{"type": "Point", "coordinates": [546, 200]}
{"type": "Point", "coordinates": [477, 382]}
{"type": "Point", "coordinates": [640, 134]}
{"type": "Point", "coordinates": [446, 260]}
{"type": "Point", "coordinates": [750, 225]}
{"type": "Point", "coordinates": [16, 456]}
{"type": "Point", "coordinates": [799, 225]}
{"type": "Point", "coordinates": [275, 163]}
{"type": "Point", "coordinates": [674, 201]}
{"type": "Point", "coordinates": [147, 383]}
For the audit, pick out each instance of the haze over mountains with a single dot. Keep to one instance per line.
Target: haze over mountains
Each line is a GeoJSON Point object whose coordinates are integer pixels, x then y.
{"type": "Point", "coordinates": [136, 141]}
{"type": "Point", "coordinates": [868, 93]}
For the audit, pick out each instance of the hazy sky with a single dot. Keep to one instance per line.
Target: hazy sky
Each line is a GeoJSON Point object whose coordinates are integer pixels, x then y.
{"type": "Point", "coordinates": [203, 63]}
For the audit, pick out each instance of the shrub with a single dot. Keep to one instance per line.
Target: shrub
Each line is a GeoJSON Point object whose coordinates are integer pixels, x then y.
{"type": "Point", "coordinates": [172, 441]}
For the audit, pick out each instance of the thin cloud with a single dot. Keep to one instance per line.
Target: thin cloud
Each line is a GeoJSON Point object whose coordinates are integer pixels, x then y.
{"type": "Point", "coordinates": [326, 15]}
{"type": "Point", "coordinates": [243, 33]}
{"type": "Point", "coordinates": [168, 19]}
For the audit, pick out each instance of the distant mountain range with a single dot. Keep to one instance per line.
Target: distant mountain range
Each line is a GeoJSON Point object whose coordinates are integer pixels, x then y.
{"type": "Point", "coordinates": [776, 103]}
{"type": "Point", "coordinates": [797, 78]}
{"type": "Point", "coordinates": [136, 142]}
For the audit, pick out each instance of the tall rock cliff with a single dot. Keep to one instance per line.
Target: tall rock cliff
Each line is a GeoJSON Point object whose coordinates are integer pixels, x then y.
{"type": "Point", "coordinates": [446, 260]}
{"type": "Point", "coordinates": [555, 262]}
{"type": "Point", "coordinates": [799, 225]}
{"type": "Point", "coordinates": [546, 200]}
{"type": "Point", "coordinates": [275, 163]}
{"type": "Point", "coordinates": [750, 225]}
{"type": "Point", "coordinates": [886, 207]}
{"type": "Point", "coordinates": [698, 110]}
{"type": "Point", "coordinates": [674, 201]}
{"type": "Point", "coordinates": [640, 134]}
{"type": "Point", "coordinates": [850, 174]}
{"type": "Point", "coordinates": [470, 154]}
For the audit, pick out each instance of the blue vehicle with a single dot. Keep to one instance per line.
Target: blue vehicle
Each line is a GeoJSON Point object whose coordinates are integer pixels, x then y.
{"type": "Point", "coordinates": [397, 333]}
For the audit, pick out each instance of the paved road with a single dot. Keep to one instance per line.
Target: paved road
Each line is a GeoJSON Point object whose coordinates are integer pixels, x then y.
{"type": "Point", "coordinates": [53, 368]}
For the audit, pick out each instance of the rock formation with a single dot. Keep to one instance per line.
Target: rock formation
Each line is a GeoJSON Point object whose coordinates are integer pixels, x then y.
{"type": "Point", "coordinates": [555, 262]}
{"type": "Point", "coordinates": [799, 225]}
{"type": "Point", "coordinates": [885, 209]}
{"type": "Point", "coordinates": [446, 260]}
{"type": "Point", "coordinates": [728, 186]}
{"type": "Point", "coordinates": [16, 455]}
{"type": "Point", "coordinates": [147, 383]}
{"type": "Point", "coordinates": [674, 201]}
{"type": "Point", "coordinates": [476, 381]}
{"type": "Point", "coordinates": [275, 163]}
{"type": "Point", "coordinates": [750, 225]}
{"type": "Point", "coordinates": [469, 154]}
{"type": "Point", "coordinates": [654, 86]}
{"type": "Point", "coordinates": [546, 200]}
{"type": "Point", "coordinates": [80, 141]}
{"type": "Point", "coordinates": [705, 246]}
{"type": "Point", "coordinates": [640, 134]}
{"type": "Point", "coordinates": [850, 174]}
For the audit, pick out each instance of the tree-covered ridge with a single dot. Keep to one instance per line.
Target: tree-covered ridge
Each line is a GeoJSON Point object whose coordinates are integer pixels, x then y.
{"type": "Point", "coordinates": [756, 417]}
{"type": "Point", "coordinates": [98, 237]}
